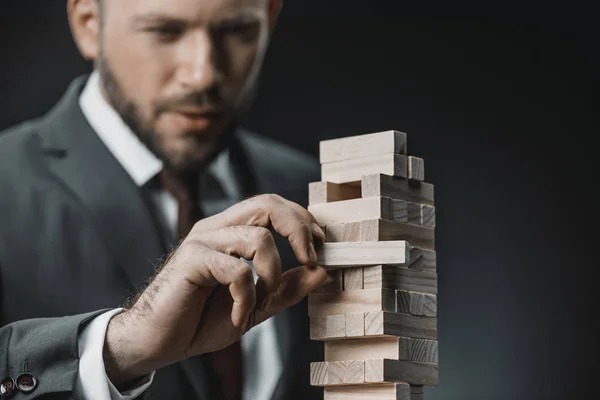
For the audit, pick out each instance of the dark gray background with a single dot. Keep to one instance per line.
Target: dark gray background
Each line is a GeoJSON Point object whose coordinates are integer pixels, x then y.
{"type": "Point", "coordinates": [499, 103]}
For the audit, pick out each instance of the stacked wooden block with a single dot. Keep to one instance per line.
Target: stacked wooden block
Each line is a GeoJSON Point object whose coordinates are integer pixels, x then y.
{"type": "Point", "coordinates": [378, 313]}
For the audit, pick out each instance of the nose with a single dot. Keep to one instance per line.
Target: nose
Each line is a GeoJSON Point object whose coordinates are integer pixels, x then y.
{"type": "Point", "coordinates": [199, 69]}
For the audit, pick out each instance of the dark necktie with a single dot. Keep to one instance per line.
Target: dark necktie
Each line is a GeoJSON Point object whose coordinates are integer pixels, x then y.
{"type": "Point", "coordinates": [226, 363]}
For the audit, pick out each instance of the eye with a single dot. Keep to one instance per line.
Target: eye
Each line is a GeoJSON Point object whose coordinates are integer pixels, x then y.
{"type": "Point", "coordinates": [245, 30]}
{"type": "Point", "coordinates": [166, 32]}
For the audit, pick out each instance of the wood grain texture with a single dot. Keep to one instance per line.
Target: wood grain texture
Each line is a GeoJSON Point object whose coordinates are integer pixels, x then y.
{"type": "Point", "coordinates": [420, 214]}
{"type": "Point", "coordinates": [394, 348]}
{"type": "Point", "coordinates": [333, 283]}
{"type": "Point", "coordinates": [327, 192]}
{"type": "Point", "coordinates": [359, 210]}
{"type": "Point", "coordinates": [386, 370]}
{"type": "Point", "coordinates": [384, 391]}
{"type": "Point", "coordinates": [355, 325]}
{"type": "Point", "coordinates": [415, 303]}
{"type": "Point", "coordinates": [364, 145]}
{"type": "Point", "coordinates": [390, 277]}
{"type": "Point", "coordinates": [416, 392]}
{"type": "Point", "coordinates": [354, 254]}
{"type": "Point", "coordinates": [423, 260]}
{"type": "Point", "coordinates": [353, 278]}
{"type": "Point", "coordinates": [397, 188]}
{"type": "Point", "coordinates": [428, 216]}
{"type": "Point", "coordinates": [416, 168]}
{"type": "Point", "coordinates": [362, 349]}
{"type": "Point", "coordinates": [420, 350]}
{"type": "Point", "coordinates": [328, 327]}
{"type": "Point", "coordinates": [382, 230]}
{"type": "Point", "coordinates": [326, 373]}
{"type": "Point", "coordinates": [349, 171]}
{"type": "Point", "coordinates": [388, 323]}
{"type": "Point", "coordinates": [350, 302]}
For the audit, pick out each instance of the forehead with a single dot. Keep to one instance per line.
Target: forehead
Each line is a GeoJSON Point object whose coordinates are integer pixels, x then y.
{"type": "Point", "coordinates": [188, 9]}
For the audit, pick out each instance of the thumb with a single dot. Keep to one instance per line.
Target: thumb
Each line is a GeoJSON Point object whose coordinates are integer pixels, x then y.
{"type": "Point", "coordinates": [295, 284]}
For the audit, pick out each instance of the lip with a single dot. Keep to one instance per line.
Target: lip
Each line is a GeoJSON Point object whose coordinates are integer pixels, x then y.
{"type": "Point", "coordinates": [198, 114]}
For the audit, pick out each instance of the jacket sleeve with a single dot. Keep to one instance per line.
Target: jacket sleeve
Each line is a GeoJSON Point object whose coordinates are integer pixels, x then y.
{"type": "Point", "coordinates": [46, 348]}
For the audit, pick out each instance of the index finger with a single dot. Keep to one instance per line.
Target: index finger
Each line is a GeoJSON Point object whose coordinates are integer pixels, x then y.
{"type": "Point", "coordinates": [271, 211]}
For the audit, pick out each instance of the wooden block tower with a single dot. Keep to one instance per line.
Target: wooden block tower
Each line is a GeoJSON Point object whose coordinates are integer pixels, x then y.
{"type": "Point", "coordinates": [378, 313]}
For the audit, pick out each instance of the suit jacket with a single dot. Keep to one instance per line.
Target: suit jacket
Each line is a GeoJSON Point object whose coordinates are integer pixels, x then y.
{"type": "Point", "coordinates": [77, 236]}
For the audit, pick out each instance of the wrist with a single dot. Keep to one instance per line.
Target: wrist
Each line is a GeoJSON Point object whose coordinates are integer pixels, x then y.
{"type": "Point", "coordinates": [126, 359]}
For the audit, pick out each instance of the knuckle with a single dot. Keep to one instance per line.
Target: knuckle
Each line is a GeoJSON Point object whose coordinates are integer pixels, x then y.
{"type": "Point", "coordinates": [263, 236]}
{"type": "Point", "coordinates": [244, 272]}
{"type": "Point", "coordinates": [271, 198]}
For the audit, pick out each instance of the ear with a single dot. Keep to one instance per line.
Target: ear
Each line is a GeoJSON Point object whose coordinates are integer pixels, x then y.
{"type": "Point", "coordinates": [274, 10]}
{"type": "Point", "coordinates": [84, 20]}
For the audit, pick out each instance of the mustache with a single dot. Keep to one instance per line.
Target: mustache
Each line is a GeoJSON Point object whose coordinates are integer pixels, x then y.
{"type": "Point", "coordinates": [207, 100]}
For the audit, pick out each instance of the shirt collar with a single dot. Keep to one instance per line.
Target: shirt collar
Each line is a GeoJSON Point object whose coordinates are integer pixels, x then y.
{"type": "Point", "coordinates": [137, 160]}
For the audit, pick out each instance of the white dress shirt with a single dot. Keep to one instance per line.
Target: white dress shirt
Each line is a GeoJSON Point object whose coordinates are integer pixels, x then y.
{"type": "Point", "coordinates": [262, 361]}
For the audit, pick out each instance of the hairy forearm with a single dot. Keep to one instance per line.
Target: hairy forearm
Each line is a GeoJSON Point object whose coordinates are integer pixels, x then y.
{"type": "Point", "coordinates": [124, 361]}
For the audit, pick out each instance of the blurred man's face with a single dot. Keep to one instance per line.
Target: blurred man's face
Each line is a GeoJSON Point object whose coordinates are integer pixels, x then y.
{"type": "Point", "coordinates": [179, 71]}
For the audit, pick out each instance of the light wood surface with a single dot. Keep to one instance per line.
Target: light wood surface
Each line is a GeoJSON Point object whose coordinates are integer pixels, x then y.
{"type": "Point", "coordinates": [365, 145]}
{"type": "Point", "coordinates": [387, 185]}
{"type": "Point", "coordinates": [349, 171]}
{"type": "Point", "coordinates": [382, 230]}
{"type": "Point", "coordinates": [354, 254]}
{"type": "Point", "coordinates": [360, 210]}
{"type": "Point", "coordinates": [384, 391]}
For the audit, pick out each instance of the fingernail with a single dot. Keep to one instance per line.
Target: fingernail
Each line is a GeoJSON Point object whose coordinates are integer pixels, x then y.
{"type": "Point", "coordinates": [318, 231]}
{"type": "Point", "coordinates": [311, 252]}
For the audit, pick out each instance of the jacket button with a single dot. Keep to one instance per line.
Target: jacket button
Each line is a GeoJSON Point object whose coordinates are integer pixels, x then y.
{"type": "Point", "coordinates": [7, 387]}
{"type": "Point", "coordinates": [26, 382]}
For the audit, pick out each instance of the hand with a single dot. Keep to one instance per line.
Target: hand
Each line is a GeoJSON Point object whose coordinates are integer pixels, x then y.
{"type": "Point", "coordinates": [204, 297]}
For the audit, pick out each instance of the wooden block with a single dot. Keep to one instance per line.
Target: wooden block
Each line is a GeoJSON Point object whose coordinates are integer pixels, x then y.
{"type": "Point", "coordinates": [375, 230]}
{"type": "Point", "coordinates": [420, 350]}
{"type": "Point", "coordinates": [386, 370]}
{"type": "Point", "coordinates": [365, 145]}
{"type": "Point", "coordinates": [359, 210]}
{"type": "Point", "coordinates": [354, 254]}
{"type": "Point", "coordinates": [327, 373]}
{"type": "Point", "coordinates": [386, 323]}
{"type": "Point", "coordinates": [423, 260]}
{"type": "Point", "coordinates": [353, 278]}
{"type": "Point", "coordinates": [390, 277]}
{"type": "Point", "coordinates": [414, 303]}
{"type": "Point", "coordinates": [362, 349]}
{"type": "Point", "coordinates": [428, 216]}
{"type": "Point", "coordinates": [416, 392]}
{"type": "Point", "coordinates": [419, 214]}
{"type": "Point", "coordinates": [327, 327]}
{"type": "Point", "coordinates": [397, 188]}
{"type": "Point", "coordinates": [354, 301]}
{"type": "Point", "coordinates": [353, 170]}
{"type": "Point", "coordinates": [334, 281]}
{"type": "Point", "coordinates": [355, 325]}
{"type": "Point", "coordinates": [416, 168]}
{"type": "Point", "coordinates": [416, 389]}
{"type": "Point", "coordinates": [394, 348]}
{"type": "Point", "coordinates": [383, 391]}
{"type": "Point", "coordinates": [327, 192]}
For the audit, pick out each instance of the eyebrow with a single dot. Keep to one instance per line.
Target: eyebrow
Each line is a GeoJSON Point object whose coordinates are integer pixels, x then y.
{"type": "Point", "coordinates": [247, 15]}
{"type": "Point", "coordinates": [151, 19]}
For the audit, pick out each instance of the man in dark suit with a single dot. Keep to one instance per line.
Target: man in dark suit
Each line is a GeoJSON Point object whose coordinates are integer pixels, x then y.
{"type": "Point", "coordinates": [146, 151]}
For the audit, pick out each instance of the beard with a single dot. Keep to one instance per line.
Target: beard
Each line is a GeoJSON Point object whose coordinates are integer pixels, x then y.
{"type": "Point", "coordinates": [143, 129]}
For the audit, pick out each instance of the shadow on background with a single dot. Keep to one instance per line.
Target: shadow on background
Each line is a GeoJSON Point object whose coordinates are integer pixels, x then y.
{"type": "Point", "coordinates": [500, 108]}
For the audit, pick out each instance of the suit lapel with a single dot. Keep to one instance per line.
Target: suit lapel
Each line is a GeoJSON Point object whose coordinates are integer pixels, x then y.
{"type": "Point", "coordinates": [116, 206]}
